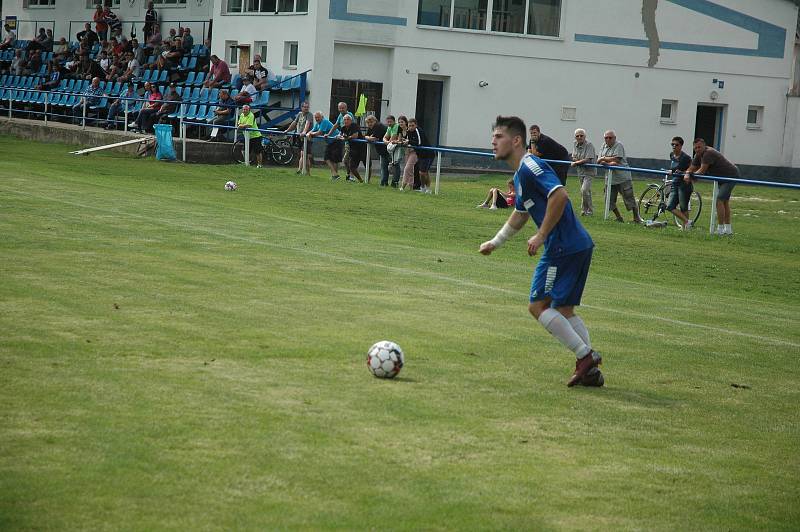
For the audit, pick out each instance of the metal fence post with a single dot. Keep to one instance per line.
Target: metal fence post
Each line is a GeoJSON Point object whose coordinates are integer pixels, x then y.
{"type": "Point", "coordinates": [46, 101]}
{"type": "Point", "coordinates": [368, 163]}
{"type": "Point", "coordinates": [183, 139]}
{"type": "Point", "coordinates": [126, 117]}
{"type": "Point", "coordinates": [609, 175]}
{"type": "Point", "coordinates": [438, 172]}
{"type": "Point", "coordinates": [83, 119]}
{"type": "Point", "coordinates": [305, 169]}
{"type": "Point", "coordinates": [246, 147]}
{"type": "Point", "coordinates": [712, 224]}
{"type": "Point", "coordinates": [9, 104]}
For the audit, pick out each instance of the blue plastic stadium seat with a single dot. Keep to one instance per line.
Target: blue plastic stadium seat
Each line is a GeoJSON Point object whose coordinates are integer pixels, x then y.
{"type": "Point", "coordinates": [162, 77]}
{"type": "Point", "coordinates": [195, 97]}
{"type": "Point", "coordinates": [214, 96]}
{"type": "Point", "coordinates": [190, 79]}
{"type": "Point", "coordinates": [199, 78]}
{"type": "Point", "coordinates": [205, 93]}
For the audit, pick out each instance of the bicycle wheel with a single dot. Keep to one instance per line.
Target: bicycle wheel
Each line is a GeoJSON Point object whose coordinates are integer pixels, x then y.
{"type": "Point", "coordinates": [282, 152]}
{"type": "Point", "coordinates": [650, 204]}
{"type": "Point", "coordinates": [238, 152]}
{"type": "Point", "coordinates": [695, 208]}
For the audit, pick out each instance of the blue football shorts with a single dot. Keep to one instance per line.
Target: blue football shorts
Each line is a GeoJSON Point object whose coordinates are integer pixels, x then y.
{"type": "Point", "coordinates": [561, 278]}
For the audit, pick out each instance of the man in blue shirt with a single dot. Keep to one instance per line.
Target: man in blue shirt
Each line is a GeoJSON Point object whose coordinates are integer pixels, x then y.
{"type": "Point", "coordinates": [91, 96]}
{"type": "Point", "coordinates": [560, 276]}
{"type": "Point", "coordinates": [322, 128]}
{"type": "Point", "coordinates": [334, 153]}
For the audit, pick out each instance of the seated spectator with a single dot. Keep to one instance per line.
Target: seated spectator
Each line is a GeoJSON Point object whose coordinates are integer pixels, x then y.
{"type": "Point", "coordinates": [18, 63]}
{"type": "Point", "coordinates": [219, 73]}
{"type": "Point", "coordinates": [118, 105]}
{"type": "Point", "coordinates": [259, 74]}
{"type": "Point", "coordinates": [73, 66]}
{"type": "Point", "coordinates": [34, 63]}
{"type": "Point", "coordinates": [223, 115]}
{"type": "Point", "coordinates": [90, 69]}
{"type": "Point", "coordinates": [88, 36]}
{"type": "Point", "coordinates": [375, 133]}
{"type": "Point", "coordinates": [138, 52]}
{"type": "Point", "coordinates": [91, 96]}
{"type": "Point", "coordinates": [248, 92]}
{"type": "Point", "coordinates": [155, 38]}
{"type": "Point", "coordinates": [188, 41]}
{"type": "Point", "coordinates": [498, 200]}
{"type": "Point", "coordinates": [36, 44]}
{"type": "Point", "coordinates": [53, 77]}
{"type": "Point", "coordinates": [355, 152]}
{"type": "Point", "coordinates": [173, 101]}
{"type": "Point", "coordinates": [144, 121]}
{"type": "Point", "coordinates": [62, 48]}
{"type": "Point", "coordinates": [47, 43]}
{"type": "Point", "coordinates": [9, 39]}
{"type": "Point", "coordinates": [104, 62]}
{"type": "Point", "coordinates": [172, 36]}
{"type": "Point", "coordinates": [132, 69]}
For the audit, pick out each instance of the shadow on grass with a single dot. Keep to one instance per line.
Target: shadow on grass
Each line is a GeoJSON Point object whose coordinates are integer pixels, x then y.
{"type": "Point", "coordinates": [642, 398]}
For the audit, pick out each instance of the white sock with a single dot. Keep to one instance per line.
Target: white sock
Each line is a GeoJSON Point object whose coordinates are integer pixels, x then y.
{"type": "Point", "coordinates": [728, 228]}
{"type": "Point", "coordinates": [559, 326]}
{"type": "Point", "coordinates": [580, 328]}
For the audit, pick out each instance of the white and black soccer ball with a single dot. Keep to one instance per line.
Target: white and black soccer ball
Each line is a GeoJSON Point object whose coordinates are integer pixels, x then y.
{"type": "Point", "coordinates": [385, 359]}
{"type": "Point", "coordinates": [230, 186]}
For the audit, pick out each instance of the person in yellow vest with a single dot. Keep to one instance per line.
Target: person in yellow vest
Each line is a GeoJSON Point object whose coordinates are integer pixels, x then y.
{"type": "Point", "coordinates": [247, 120]}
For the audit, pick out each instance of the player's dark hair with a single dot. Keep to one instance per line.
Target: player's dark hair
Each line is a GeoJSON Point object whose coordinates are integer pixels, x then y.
{"type": "Point", "coordinates": [679, 140]}
{"type": "Point", "coordinates": [699, 139]}
{"type": "Point", "coordinates": [514, 125]}
{"type": "Point", "coordinates": [536, 127]}
{"type": "Point", "coordinates": [390, 116]}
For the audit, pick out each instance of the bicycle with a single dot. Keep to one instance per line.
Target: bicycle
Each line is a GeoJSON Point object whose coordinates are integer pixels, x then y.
{"type": "Point", "coordinates": [279, 149]}
{"type": "Point", "coordinates": [653, 202]}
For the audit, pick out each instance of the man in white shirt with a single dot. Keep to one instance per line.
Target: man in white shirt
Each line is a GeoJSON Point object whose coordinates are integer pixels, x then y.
{"type": "Point", "coordinates": [248, 92]}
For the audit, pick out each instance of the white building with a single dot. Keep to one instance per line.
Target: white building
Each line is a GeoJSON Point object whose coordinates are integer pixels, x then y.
{"type": "Point", "coordinates": [650, 69]}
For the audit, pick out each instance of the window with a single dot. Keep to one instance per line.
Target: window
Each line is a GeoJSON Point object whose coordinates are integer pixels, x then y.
{"type": "Point", "coordinates": [522, 17]}
{"type": "Point", "coordinates": [267, 6]}
{"type": "Point", "coordinates": [569, 114]}
{"type": "Point", "coordinates": [232, 52]}
{"type": "Point", "coordinates": [669, 111]}
{"type": "Point", "coordinates": [91, 4]}
{"type": "Point", "coordinates": [40, 3]}
{"type": "Point", "coordinates": [755, 117]}
{"type": "Point", "coordinates": [167, 3]}
{"type": "Point", "coordinates": [260, 48]}
{"type": "Point", "coordinates": [290, 54]}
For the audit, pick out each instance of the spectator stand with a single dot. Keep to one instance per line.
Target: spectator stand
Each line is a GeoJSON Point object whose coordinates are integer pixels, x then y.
{"type": "Point", "coordinates": [199, 27]}
{"type": "Point", "coordinates": [294, 86]}
{"type": "Point", "coordinates": [29, 29]}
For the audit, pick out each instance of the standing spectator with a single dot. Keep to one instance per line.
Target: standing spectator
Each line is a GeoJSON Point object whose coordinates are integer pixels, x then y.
{"type": "Point", "coordinates": [100, 24]}
{"type": "Point", "coordinates": [375, 133]}
{"type": "Point", "coordinates": [259, 73]}
{"type": "Point", "coordinates": [188, 41]}
{"type": "Point", "coordinates": [47, 43]}
{"type": "Point", "coordinates": [336, 147]}
{"type": "Point", "coordinates": [301, 125]}
{"type": "Point", "coordinates": [150, 20]}
{"type": "Point", "coordinates": [113, 22]}
{"type": "Point", "coordinates": [402, 142]}
{"type": "Point", "coordinates": [118, 105]}
{"type": "Point", "coordinates": [322, 127]}
{"type": "Point", "coordinates": [391, 138]}
{"type": "Point", "coordinates": [550, 149]}
{"type": "Point", "coordinates": [247, 120]}
{"type": "Point", "coordinates": [88, 36]}
{"type": "Point", "coordinates": [144, 121]}
{"type": "Point", "coordinates": [416, 138]}
{"type": "Point", "coordinates": [679, 162]}
{"type": "Point", "coordinates": [91, 96]}
{"type": "Point", "coordinates": [354, 152]}
{"type": "Point", "coordinates": [613, 154]}
{"type": "Point", "coordinates": [708, 161]}
{"type": "Point", "coordinates": [248, 92]}
{"type": "Point", "coordinates": [223, 114]}
{"type": "Point", "coordinates": [583, 153]}
{"type": "Point", "coordinates": [219, 73]}
{"type": "Point", "coordinates": [9, 39]}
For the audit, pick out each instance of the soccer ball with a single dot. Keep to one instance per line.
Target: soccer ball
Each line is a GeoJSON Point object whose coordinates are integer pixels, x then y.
{"type": "Point", "coordinates": [385, 359]}
{"type": "Point", "coordinates": [230, 185]}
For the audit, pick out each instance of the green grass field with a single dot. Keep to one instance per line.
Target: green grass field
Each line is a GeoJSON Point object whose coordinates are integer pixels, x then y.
{"type": "Point", "coordinates": [173, 356]}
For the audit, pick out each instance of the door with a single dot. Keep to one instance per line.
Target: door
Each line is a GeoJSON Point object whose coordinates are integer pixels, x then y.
{"type": "Point", "coordinates": [429, 108]}
{"type": "Point", "coordinates": [709, 123]}
{"type": "Point", "coordinates": [349, 92]}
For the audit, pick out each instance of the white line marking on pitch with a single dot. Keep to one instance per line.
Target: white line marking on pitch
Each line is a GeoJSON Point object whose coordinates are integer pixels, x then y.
{"type": "Point", "coordinates": [400, 269]}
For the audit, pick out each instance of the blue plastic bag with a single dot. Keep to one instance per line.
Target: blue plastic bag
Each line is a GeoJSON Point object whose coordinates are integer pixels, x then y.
{"type": "Point", "coordinates": [165, 151]}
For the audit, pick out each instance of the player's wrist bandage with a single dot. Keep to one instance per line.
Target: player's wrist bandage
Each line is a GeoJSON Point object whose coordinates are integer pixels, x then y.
{"type": "Point", "coordinates": [503, 234]}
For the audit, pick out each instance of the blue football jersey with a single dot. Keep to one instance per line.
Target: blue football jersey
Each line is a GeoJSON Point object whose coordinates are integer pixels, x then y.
{"type": "Point", "coordinates": [534, 181]}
